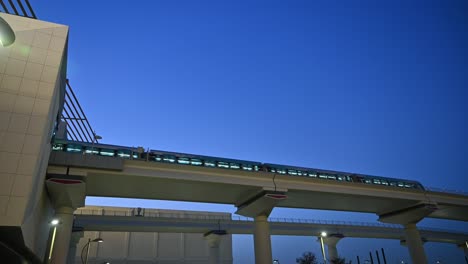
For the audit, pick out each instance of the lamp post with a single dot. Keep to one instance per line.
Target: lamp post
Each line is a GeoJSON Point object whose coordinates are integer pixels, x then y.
{"type": "Point", "coordinates": [98, 240]}
{"type": "Point", "coordinates": [95, 139]}
{"type": "Point", "coordinates": [322, 235]}
{"type": "Point", "coordinates": [54, 223]}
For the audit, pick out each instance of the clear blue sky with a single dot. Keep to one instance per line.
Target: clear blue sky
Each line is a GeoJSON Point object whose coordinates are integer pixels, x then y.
{"type": "Point", "coordinates": [377, 88]}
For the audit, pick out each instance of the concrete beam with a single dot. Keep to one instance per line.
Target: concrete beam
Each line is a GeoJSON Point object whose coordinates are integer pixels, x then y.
{"type": "Point", "coordinates": [412, 214]}
{"type": "Point", "coordinates": [213, 238]}
{"type": "Point", "coordinates": [261, 203]}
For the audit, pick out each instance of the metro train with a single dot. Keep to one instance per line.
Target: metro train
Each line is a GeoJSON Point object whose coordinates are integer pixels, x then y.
{"type": "Point", "coordinates": [223, 163]}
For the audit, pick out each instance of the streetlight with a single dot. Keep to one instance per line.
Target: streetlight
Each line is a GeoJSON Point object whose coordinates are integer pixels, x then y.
{"type": "Point", "coordinates": [54, 222]}
{"type": "Point", "coordinates": [322, 235]}
{"type": "Point", "coordinates": [276, 261]}
{"type": "Point", "coordinates": [98, 240]}
{"type": "Point", "coordinates": [96, 137]}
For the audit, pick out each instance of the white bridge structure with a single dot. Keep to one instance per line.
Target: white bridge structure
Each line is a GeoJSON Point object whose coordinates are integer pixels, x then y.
{"type": "Point", "coordinates": [38, 184]}
{"type": "Point", "coordinates": [113, 219]}
{"type": "Point", "coordinates": [255, 194]}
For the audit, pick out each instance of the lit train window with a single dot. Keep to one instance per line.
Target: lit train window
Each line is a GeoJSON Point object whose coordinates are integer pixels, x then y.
{"type": "Point", "coordinates": [169, 158]}
{"type": "Point", "coordinates": [322, 176]}
{"type": "Point", "coordinates": [340, 178]}
{"type": "Point", "coordinates": [292, 172]}
{"type": "Point", "coordinates": [312, 174]}
{"type": "Point", "coordinates": [384, 182]}
{"type": "Point", "coordinates": [56, 147]}
{"type": "Point", "coordinates": [154, 157]}
{"type": "Point", "coordinates": [367, 181]}
{"type": "Point", "coordinates": [393, 184]}
{"type": "Point", "coordinates": [331, 177]}
{"type": "Point", "coordinates": [91, 150]}
{"type": "Point", "coordinates": [196, 162]}
{"type": "Point", "coordinates": [223, 164]}
{"type": "Point", "coordinates": [135, 155]}
{"type": "Point", "coordinates": [73, 148]}
{"type": "Point", "coordinates": [234, 166]}
{"type": "Point", "coordinates": [407, 185]}
{"type": "Point", "coordinates": [247, 167]}
{"type": "Point", "coordinates": [400, 184]}
{"type": "Point", "coordinates": [107, 152]}
{"type": "Point", "coordinates": [272, 170]}
{"type": "Point", "coordinates": [209, 163]}
{"type": "Point", "coordinates": [376, 181]}
{"type": "Point", "coordinates": [124, 153]}
{"type": "Point", "coordinates": [256, 168]}
{"type": "Point", "coordinates": [281, 171]}
{"type": "Point", "coordinates": [185, 161]}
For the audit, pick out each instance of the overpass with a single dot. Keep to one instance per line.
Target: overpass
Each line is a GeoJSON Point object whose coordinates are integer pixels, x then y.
{"type": "Point", "coordinates": [214, 226]}
{"type": "Point", "coordinates": [255, 194]}
{"type": "Point", "coordinates": [37, 184]}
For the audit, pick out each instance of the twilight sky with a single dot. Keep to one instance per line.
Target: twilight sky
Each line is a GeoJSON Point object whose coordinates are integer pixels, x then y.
{"type": "Point", "coordinates": [360, 86]}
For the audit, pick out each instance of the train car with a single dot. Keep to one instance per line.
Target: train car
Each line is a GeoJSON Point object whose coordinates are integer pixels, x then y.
{"type": "Point", "coordinates": [385, 181]}
{"type": "Point", "coordinates": [200, 160]}
{"type": "Point", "coordinates": [341, 176]}
{"type": "Point", "coordinates": [307, 172]}
{"type": "Point", "coordinates": [223, 163]}
{"type": "Point", "coordinates": [100, 149]}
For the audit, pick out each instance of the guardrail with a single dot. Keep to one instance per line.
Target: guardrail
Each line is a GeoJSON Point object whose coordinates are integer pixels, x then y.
{"type": "Point", "coordinates": [442, 190]}
{"type": "Point", "coordinates": [238, 218]}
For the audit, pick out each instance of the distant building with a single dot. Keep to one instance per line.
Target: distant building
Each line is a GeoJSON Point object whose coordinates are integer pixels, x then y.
{"type": "Point", "coordinates": [147, 247]}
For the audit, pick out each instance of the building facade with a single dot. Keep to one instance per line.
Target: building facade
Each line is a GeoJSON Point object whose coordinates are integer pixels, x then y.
{"type": "Point", "coordinates": [147, 247]}
{"type": "Point", "coordinates": [32, 81]}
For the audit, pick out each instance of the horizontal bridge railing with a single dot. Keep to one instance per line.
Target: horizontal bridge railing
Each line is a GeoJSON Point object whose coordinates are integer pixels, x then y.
{"type": "Point", "coordinates": [443, 190]}
{"type": "Point", "coordinates": [237, 218]}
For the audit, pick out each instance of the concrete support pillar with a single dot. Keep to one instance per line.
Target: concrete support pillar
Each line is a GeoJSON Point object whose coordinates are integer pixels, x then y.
{"type": "Point", "coordinates": [332, 252]}
{"type": "Point", "coordinates": [464, 247]}
{"type": "Point", "coordinates": [61, 242]}
{"type": "Point", "coordinates": [262, 241]}
{"type": "Point", "coordinates": [415, 244]}
{"type": "Point", "coordinates": [214, 239]}
{"type": "Point", "coordinates": [75, 239]}
{"type": "Point", "coordinates": [331, 241]}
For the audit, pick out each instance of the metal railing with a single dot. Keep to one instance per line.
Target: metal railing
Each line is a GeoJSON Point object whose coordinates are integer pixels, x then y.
{"type": "Point", "coordinates": [237, 218]}
{"type": "Point", "coordinates": [18, 8]}
{"type": "Point", "coordinates": [78, 127]}
{"type": "Point", "coordinates": [443, 190]}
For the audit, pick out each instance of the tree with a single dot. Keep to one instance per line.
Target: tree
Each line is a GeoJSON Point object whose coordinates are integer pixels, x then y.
{"type": "Point", "coordinates": [307, 258]}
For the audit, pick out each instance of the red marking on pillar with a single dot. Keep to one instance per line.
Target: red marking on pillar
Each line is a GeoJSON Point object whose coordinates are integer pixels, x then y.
{"type": "Point", "coordinates": [65, 181]}
{"type": "Point", "coordinates": [276, 196]}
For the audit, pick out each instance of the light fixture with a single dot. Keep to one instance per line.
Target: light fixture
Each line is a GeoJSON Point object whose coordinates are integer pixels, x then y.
{"type": "Point", "coordinates": [97, 240]}
{"type": "Point", "coordinates": [7, 36]}
{"type": "Point", "coordinates": [322, 235]}
{"type": "Point", "coordinates": [55, 222]}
